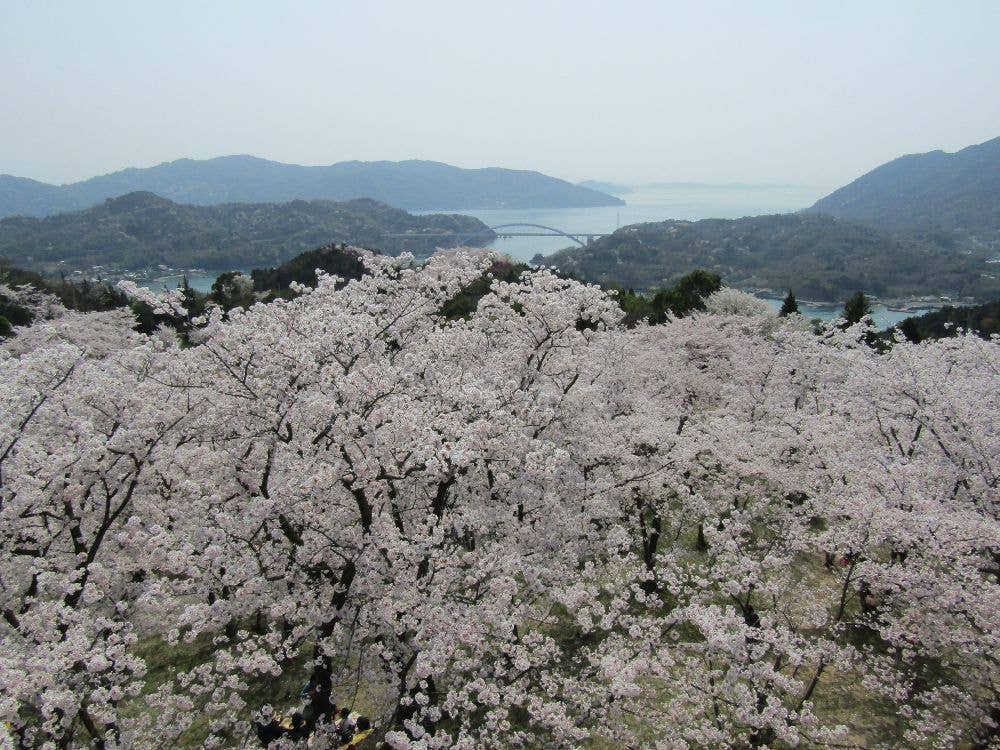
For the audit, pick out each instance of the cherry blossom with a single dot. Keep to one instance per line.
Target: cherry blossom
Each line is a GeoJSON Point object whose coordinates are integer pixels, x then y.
{"type": "Point", "coordinates": [529, 527]}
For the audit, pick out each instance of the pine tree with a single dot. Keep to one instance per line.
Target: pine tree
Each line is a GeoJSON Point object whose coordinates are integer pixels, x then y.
{"type": "Point", "coordinates": [790, 306]}
{"type": "Point", "coordinates": [856, 307]}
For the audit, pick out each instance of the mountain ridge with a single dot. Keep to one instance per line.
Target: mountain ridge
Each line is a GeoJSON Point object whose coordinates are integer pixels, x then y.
{"type": "Point", "coordinates": [944, 191]}
{"type": "Point", "coordinates": [413, 184]}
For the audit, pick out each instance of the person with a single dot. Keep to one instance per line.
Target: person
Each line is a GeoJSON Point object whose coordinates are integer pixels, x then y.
{"type": "Point", "coordinates": [362, 729]}
{"type": "Point", "coordinates": [307, 694]}
{"type": "Point", "coordinates": [869, 605]}
{"type": "Point", "coordinates": [345, 728]}
{"type": "Point", "coordinates": [268, 733]}
{"type": "Point", "coordinates": [298, 730]}
{"type": "Point", "coordinates": [343, 717]}
{"type": "Point", "coordinates": [363, 726]}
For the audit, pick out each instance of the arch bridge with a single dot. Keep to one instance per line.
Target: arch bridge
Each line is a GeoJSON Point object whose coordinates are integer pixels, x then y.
{"type": "Point", "coordinates": [508, 230]}
{"type": "Point", "coordinates": [548, 232]}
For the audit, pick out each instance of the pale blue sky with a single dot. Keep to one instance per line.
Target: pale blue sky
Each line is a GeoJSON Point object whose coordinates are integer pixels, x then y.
{"type": "Point", "coordinates": [793, 92]}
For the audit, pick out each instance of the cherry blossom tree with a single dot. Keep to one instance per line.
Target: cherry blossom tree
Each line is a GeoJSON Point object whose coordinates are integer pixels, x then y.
{"type": "Point", "coordinates": [729, 301]}
{"type": "Point", "coordinates": [83, 420]}
{"type": "Point", "coordinates": [803, 465]}
{"type": "Point", "coordinates": [527, 527]}
{"type": "Point", "coordinates": [396, 493]}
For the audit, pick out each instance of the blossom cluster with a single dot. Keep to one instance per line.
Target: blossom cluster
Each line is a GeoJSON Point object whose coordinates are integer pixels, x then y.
{"type": "Point", "coordinates": [529, 527]}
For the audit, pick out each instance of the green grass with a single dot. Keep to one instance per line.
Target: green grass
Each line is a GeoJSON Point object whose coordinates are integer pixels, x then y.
{"type": "Point", "coordinates": [840, 698]}
{"type": "Point", "coordinates": [165, 661]}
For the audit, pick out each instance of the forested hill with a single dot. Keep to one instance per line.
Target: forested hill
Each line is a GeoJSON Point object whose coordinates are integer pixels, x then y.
{"type": "Point", "coordinates": [983, 320]}
{"type": "Point", "coordinates": [937, 190]}
{"type": "Point", "coordinates": [820, 257]}
{"type": "Point", "coordinates": [411, 185]}
{"type": "Point", "coordinates": [142, 230]}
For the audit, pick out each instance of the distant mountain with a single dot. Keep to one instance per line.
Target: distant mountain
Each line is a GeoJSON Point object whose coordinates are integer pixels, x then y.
{"type": "Point", "coordinates": [142, 230]}
{"type": "Point", "coordinates": [19, 195]}
{"type": "Point", "coordinates": [957, 192]}
{"type": "Point", "coordinates": [610, 188]}
{"type": "Point", "coordinates": [411, 185]}
{"type": "Point", "coordinates": [821, 258]}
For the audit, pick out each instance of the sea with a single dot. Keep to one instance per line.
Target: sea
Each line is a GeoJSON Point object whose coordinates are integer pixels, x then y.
{"type": "Point", "coordinates": [681, 201]}
{"type": "Point", "coordinates": [643, 205]}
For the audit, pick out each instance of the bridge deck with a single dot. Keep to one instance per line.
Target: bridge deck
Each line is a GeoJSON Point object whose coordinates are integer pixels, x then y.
{"type": "Point", "coordinates": [498, 234]}
{"type": "Point", "coordinates": [504, 230]}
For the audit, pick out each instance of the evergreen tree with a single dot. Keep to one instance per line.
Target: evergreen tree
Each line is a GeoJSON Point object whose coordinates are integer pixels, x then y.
{"type": "Point", "coordinates": [232, 289]}
{"type": "Point", "coordinates": [856, 307]}
{"type": "Point", "coordinates": [692, 289]}
{"type": "Point", "coordinates": [686, 296]}
{"type": "Point", "coordinates": [790, 306]}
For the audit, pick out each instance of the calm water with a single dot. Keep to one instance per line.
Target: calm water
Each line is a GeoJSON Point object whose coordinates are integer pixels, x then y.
{"type": "Point", "coordinates": [883, 316]}
{"type": "Point", "coordinates": [200, 281]}
{"type": "Point", "coordinates": [642, 206]}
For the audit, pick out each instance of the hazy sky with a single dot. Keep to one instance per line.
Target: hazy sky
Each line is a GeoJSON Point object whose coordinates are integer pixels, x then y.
{"type": "Point", "coordinates": [792, 92]}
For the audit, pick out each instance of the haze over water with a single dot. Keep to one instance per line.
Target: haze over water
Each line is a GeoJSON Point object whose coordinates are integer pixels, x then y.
{"type": "Point", "coordinates": [644, 205]}
{"type": "Point", "coordinates": [663, 203]}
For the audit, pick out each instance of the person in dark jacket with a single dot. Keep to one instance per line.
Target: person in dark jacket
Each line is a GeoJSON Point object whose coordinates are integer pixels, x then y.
{"type": "Point", "coordinates": [299, 730]}
{"type": "Point", "coordinates": [268, 733]}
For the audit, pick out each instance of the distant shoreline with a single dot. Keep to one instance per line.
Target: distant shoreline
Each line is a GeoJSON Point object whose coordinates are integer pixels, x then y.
{"type": "Point", "coordinates": [197, 276]}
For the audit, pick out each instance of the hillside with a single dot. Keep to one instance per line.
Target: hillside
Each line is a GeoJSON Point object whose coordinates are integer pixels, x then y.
{"type": "Point", "coordinates": [820, 257]}
{"type": "Point", "coordinates": [983, 320]}
{"type": "Point", "coordinates": [411, 185]}
{"type": "Point", "coordinates": [937, 190]}
{"type": "Point", "coordinates": [141, 230]}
